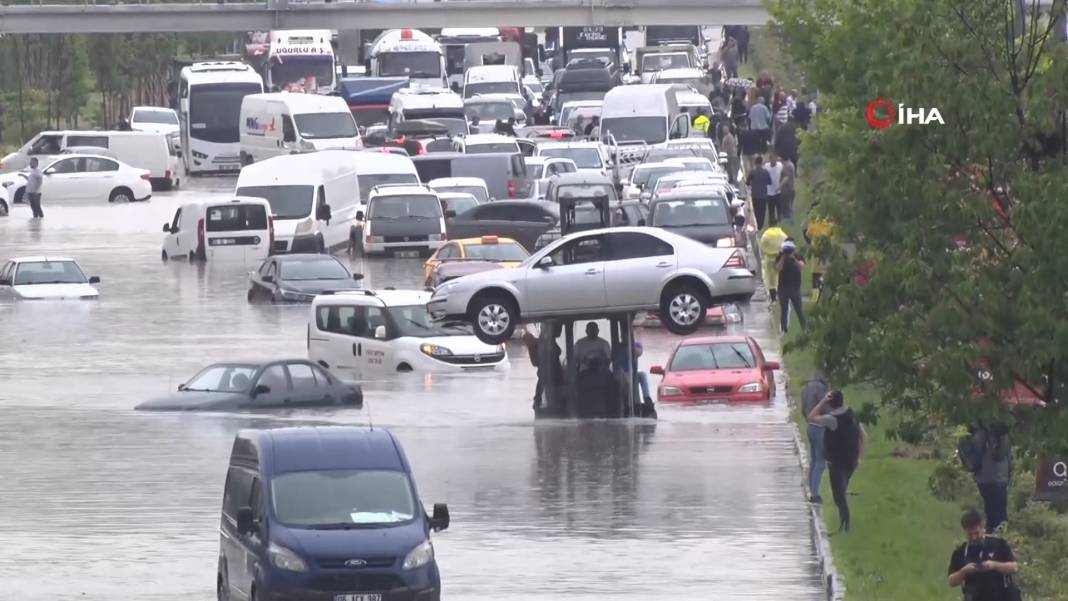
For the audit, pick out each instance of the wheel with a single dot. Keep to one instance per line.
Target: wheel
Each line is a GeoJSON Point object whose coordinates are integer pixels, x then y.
{"type": "Point", "coordinates": [121, 195]}
{"type": "Point", "coordinates": [251, 295]}
{"type": "Point", "coordinates": [163, 255]}
{"type": "Point", "coordinates": [19, 195]}
{"type": "Point", "coordinates": [3, 209]}
{"type": "Point", "coordinates": [683, 308]}
{"type": "Point", "coordinates": [192, 257]}
{"type": "Point", "coordinates": [322, 247]}
{"type": "Point", "coordinates": [494, 317]}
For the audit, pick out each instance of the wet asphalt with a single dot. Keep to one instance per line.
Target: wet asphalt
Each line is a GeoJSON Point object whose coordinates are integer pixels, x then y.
{"type": "Point", "coordinates": [100, 502]}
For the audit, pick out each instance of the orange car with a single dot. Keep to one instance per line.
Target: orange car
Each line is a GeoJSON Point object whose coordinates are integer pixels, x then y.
{"type": "Point", "coordinates": [502, 251]}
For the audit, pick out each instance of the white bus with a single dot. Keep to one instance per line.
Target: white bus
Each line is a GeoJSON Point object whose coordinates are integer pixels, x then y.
{"type": "Point", "coordinates": [299, 60]}
{"type": "Point", "coordinates": [209, 107]}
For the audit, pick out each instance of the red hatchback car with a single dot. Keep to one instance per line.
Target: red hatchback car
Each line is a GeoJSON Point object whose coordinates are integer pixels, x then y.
{"type": "Point", "coordinates": [717, 369]}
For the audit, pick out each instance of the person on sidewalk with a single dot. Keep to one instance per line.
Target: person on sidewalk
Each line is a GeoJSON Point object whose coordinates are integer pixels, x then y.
{"type": "Point", "coordinates": [774, 168]}
{"type": "Point", "coordinates": [988, 455]}
{"type": "Point", "coordinates": [771, 242]}
{"type": "Point", "coordinates": [789, 266]}
{"type": "Point", "coordinates": [758, 181]}
{"type": "Point", "coordinates": [787, 190]}
{"type": "Point", "coordinates": [760, 119]}
{"type": "Point", "coordinates": [844, 441]}
{"type": "Point", "coordinates": [816, 387]}
{"type": "Point", "coordinates": [34, 182]}
{"type": "Point", "coordinates": [729, 145]}
{"type": "Point", "coordinates": [983, 565]}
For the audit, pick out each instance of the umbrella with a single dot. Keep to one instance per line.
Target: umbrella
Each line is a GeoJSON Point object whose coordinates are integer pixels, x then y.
{"type": "Point", "coordinates": [738, 82]}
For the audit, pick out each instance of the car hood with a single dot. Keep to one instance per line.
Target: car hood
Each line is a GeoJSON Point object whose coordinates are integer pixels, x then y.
{"type": "Point", "coordinates": [194, 400]}
{"type": "Point", "coordinates": [317, 286]}
{"type": "Point", "coordinates": [461, 345]}
{"type": "Point", "coordinates": [55, 291]}
{"type": "Point", "coordinates": [350, 143]}
{"type": "Point", "coordinates": [500, 274]}
{"type": "Point", "coordinates": [354, 543]}
{"type": "Point", "coordinates": [712, 377]}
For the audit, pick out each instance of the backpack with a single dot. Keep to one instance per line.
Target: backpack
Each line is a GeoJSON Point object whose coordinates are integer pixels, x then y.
{"type": "Point", "coordinates": [970, 453]}
{"type": "Point", "coordinates": [842, 444]}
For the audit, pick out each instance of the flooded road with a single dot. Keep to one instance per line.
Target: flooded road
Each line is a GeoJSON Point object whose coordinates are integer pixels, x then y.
{"type": "Point", "coordinates": [98, 500]}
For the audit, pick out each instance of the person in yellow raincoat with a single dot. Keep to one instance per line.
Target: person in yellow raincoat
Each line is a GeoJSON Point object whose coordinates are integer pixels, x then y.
{"type": "Point", "coordinates": [702, 122]}
{"type": "Point", "coordinates": [814, 229]}
{"type": "Point", "coordinates": [770, 245]}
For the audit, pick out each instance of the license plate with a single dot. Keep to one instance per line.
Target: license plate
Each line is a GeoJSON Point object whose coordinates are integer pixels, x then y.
{"type": "Point", "coordinates": [407, 254]}
{"type": "Point", "coordinates": [359, 597]}
{"type": "Point", "coordinates": [223, 241]}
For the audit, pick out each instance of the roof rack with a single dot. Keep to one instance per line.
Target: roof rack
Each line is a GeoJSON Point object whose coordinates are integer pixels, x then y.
{"type": "Point", "coordinates": [401, 185]}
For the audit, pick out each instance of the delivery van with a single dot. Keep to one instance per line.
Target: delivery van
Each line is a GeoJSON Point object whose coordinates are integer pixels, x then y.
{"type": "Point", "coordinates": [283, 123]}
{"type": "Point", "coordinates": [239, 229]}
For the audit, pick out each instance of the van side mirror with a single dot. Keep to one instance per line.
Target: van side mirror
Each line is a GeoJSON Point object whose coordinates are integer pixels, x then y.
{"type": "Point", "coordinates": [359, 215]}
{"type": "Point", "coordinates": [380, 333]}
{"type": "Point", "coordinates": [245, 522]}
{"type": "Point", "coordinates": [267, 279]}
{"type": "Point", "coordinates": [324, 213]}
{"type": "Point", "coordinates": [261, 389]}
{"type": "Point", "coordinates": [167, 227]}
{"type": "Point", "coordinates": [94, 279]}
{"type": "Point", "coordinates": [440, 520]}
{"type": "Point", "coordinates": [357, 276]}
{"type": "Point", "coordinates": [657, 370]}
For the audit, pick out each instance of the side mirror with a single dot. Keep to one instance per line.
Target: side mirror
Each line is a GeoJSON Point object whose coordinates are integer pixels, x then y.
{"type": "Point", "coordinates": [183, 105]}
{"type": "Point", "coordinates": [359, 215]}
{"type": "Point", "coordinates": [268, 279]}
{"type": "Point", "coordinates": [545, 262]}
{"type": "Point", "coordinates": [181, 387]}
{"type": "Point", "coordinates": [261, 389]}
{"type": "Point", "coordinates": [450, 214]}
{"type": "Point", "coordinates": [770, 365]}
{"type": "Point", "coordinates": [641, 223]}
{"type": "Point", "coordinates": [325, 213]}
{"type": "Point", "coordinates": [167, 227]}
{"type": "Point", "coordinates": [357, 276]}
{"type": "Point", "coordinates": [657, 370]}
{"type": "Point", "coordinates": [50, 171]}
{"type": "Point", "coordinates": [94, 279]}
{"type": "Point", "coordinates": [440, 519]}
{"type": "Point", "coordinates": [380, 333]}
{"type": "Point", "coordinates": [245, 523]}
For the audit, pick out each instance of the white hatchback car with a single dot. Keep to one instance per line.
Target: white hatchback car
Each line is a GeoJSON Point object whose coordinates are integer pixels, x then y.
{"type": "Point", "coordinates": [594, 273]}
{"type": "Point", "coordinates": [363, 333]}
{"type": "Point", "coordinates": [87, 177]}
{"type": "Point", "coordinates": [46, 278]}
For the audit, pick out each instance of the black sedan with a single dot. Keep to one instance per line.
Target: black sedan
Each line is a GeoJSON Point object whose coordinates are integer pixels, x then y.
{"type": "Point", "coordinates": [299, 278]}
{"type": "Point", "coordinates": [520, 220]}
{"type": "Point", "coordinates": [292, 383]}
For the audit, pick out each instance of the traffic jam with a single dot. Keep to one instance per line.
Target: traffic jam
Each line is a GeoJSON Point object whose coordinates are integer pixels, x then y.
{"type": "Point", "coordinates": [393, 267]}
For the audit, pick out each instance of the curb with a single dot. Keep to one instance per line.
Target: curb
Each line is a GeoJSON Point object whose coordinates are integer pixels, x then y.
{"type": "Point", "coordinates": [833, 585]}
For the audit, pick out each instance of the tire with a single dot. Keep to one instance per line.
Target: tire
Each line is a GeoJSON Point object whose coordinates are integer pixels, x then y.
{"type": "Point", "coordinates": [20, 196]}
{"type": "Point", "coordinates": [251, 296]}
{"type": "Point", "coordinates": [163, 255]}
{"type": "Point", "coordinates": [494, 317]}
{"type": "Point", "coordinates": [682, 308]}
{"type": "Point", "coordinates": [192, 257]}
{"type": "Point", "coordinates": [121, 195]}
{"type": "Point", "coordinates": [4, 209]}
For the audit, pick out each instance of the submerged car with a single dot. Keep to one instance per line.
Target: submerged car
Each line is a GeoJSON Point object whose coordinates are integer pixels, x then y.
{"type": "Point", "coordinates": [46, 278]}
{"type": "Point", "coordinates": [717, 369]}
{"type": "Point", "coordinates": [290, 383]}
{"type": "Point", "coordinates": [300, 278]}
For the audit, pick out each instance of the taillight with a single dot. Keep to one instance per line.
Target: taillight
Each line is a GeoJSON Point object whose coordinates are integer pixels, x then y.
{"type": "Point", "coordinates": [422, 149]}
{"type": "Point", "coordinates": [270, 231]}
{"type": "Point", "coordinates": [736, 260]}
{"type": "Point", "coordinates": [146, 177]}
{"type": "Point", "coordinates": [167, 174]}
{"type": "Point", "coordinates": [511, 187]}
{"type": "Point", "coordinates": [200, 233]}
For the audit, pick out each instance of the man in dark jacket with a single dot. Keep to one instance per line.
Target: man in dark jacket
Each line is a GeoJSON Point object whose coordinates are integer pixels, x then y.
{"type": "Point", "coordinates": [816, 387]}
{"type": "Point", "coordinates": [758, 181]}
{"type": "Point", "coordinates": [993, 471]}
{"type": "Point", "coordinates": [844, 442]}
{"type": "Point", "coordinates": [786, 143]}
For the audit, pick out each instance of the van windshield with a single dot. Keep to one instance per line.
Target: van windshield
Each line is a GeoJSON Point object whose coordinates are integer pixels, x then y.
{"type": "Point", "coordinates": [287, 202]}
{"type": "Point", "coordinates": [235, 217]}
{"type": "Point", "coordinates": [155, 116]}
{"type": "Point", "coordinates": [314, 126]}
{"type": "Point", "coordinates": [584, 158]}
{"type": "Point", "coordinates": [652, 130]}
{"type": "Point", "coordinates": [490, 87]}
{"type": "Point", "coordinates": [409, 64]}
{"type": "Point", "coordinates": [659, 62]}
{"type": "Point", "coordinates": [343, 498]}
{"type": "Point", "coordinates": [393, 208]}
{"type": "Point", "coordinates": [368, 181]}
{"type": "Point", "coordinates": [414, 321]}
{"type": "Point", "coordinates": [478, 192]}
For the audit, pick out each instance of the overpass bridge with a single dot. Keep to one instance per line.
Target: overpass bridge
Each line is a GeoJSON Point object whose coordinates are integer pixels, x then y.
{"type": "Point", "coordinates": [99, 16]}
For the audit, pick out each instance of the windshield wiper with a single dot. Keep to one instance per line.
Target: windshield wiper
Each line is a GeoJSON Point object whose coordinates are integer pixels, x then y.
{"type": "Point", "coordinates": [742, 357]}
{"type": "Point", "coordinates": [421, 325]}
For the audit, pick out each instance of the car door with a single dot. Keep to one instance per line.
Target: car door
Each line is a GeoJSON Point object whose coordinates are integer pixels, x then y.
{"type": "Point", "coordinates": [635, 268]}
{"type": "Point", "coordinates": [63, 181]}
{"type": "Point", "coordinates": [335, 346]}
{"type": "Point", "coordinates": [306, 389]}
{"type": "Point", "coordinates": [270, 269]}
{"type": "Point", "coordinates": [378, 353]}
{"type": "Point", "coordinates": [172, 243]}
{"type": "Point", "coordinates": [278, 392]}
{"type": "Point", "coordinates": [6, 274]}
{"type": "Point", "coordinates": [100, 177]}
{"type": "Point", "coordinates": [575, 280]}
{"type": "Point", "coordinates": [237, 494]}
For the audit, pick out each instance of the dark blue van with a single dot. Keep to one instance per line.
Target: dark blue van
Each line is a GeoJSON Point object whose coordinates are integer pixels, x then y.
{"type": "Point", "coordinates": [325, 514]}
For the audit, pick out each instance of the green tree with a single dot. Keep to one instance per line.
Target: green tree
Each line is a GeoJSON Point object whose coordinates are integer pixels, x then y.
{"type": "Point", "coordinates": [955, 289]}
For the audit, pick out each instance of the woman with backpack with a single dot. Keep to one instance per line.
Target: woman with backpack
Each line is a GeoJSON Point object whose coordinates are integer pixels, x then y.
{"type": "Point", "coordinates": [844, 441]}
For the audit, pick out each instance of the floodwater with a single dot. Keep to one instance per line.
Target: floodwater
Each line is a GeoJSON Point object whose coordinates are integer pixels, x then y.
{"type": "Point", "coordinates": [100, 502]}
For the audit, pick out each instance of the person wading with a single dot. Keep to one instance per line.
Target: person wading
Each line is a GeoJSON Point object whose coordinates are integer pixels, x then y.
{"type": "Point", "coordinates": [983, 565]}
{"type": "Point", "coordinates": [844, 442]}
{"type": "Point", "coordinates": [34, 182]}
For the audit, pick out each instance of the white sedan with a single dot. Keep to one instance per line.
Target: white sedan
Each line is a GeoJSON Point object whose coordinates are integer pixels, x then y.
{"type": "Point", "coordinates": [46, 278]}
{"type": "Point", "coordinates": [85, 177]}
{"type": "Point", "coordinates": [595, 273]}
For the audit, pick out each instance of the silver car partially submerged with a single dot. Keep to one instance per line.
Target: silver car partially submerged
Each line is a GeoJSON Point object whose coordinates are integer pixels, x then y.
{"type": "Point", "coordinates": [598, 272]}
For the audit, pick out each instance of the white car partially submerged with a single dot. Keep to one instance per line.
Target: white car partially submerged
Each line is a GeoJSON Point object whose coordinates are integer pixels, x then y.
{"type": "Point", "coordinates": [46, 278]}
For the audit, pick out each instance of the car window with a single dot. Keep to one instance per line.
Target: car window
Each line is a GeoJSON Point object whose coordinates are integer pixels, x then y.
{"type": "Point", "coordinates": [347, 320]}
{"type": "Point", "coordinates": [49, 272]}
{"type": "Point", "coordinates": [589, 249]}
{"type": "Point", "coordinates": [237, 217]}
{"type": "Point", "coordinates": [95, 164]}
{"type": "Point", "coordinates": [238, 491]}
{"type": "Point", "coordinates": [635, 245]}
{"type": "Point", "coordinates": [274, 377]}
{"type": "Point", "coordinates": [256, 500]}
{"type": "Point", "coordinates": [97, 141]}
{"type": "Point", "coordinates": [376, 317]}
{"type": "Point", "coordinates": [495, 211]}
{"type": "Point", "coordinates": [447, 252]}
{"type": "Point", "coordinates": [301, 376]}
{"type": "Point", "coordinates": [532, 213]}
{"type": "Point", "coordinates": [46, 145]}
{"type": "Point", "coordinates": [321, 377]}
{"type": "Point", "coordinates": [720, 355]}
{"type": "Point", "coordinates": [177, 218]}
{"type": "Point", "coordinates": [272, 269]}
{"type": "Point", "coordinates": [265, 268]}
{"type": "Point", "coordinates": [66, 166]}
{"type": "Point", "coordinates": [5, 273]}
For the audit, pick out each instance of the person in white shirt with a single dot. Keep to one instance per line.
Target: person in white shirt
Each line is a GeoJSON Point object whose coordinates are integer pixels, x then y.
{"type": "Point", "coordinates": [774, 168]}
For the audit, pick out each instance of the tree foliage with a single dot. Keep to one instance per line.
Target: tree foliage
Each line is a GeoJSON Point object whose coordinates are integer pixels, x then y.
{"type": "Point", "coordinates": [955, 288]}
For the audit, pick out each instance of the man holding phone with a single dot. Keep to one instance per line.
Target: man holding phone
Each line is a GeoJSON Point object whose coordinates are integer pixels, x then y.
{"type": "Point", "coordinates": [984, 565]}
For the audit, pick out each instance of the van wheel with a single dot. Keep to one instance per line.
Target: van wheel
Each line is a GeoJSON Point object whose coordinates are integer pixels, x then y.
{"type": "Point", "coordinates": [163, 255]}
{"type": "Point", "coordinates": [121, 195]}
{"type": "Point", "coordinates": [222, 588]}
{"type": "Point", "coordinates": [683, 308]}
{"type": "Point", "coordinates": [192, 257]}
{"type": "Point", "coordinates": [3, 209]}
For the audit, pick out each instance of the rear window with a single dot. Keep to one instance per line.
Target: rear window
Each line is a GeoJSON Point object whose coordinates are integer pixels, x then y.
{"type": "Point", "coordinates": [395, 208]}
{"type": "Point", "coordinates": [236, 217]}
{"type": "Point", "coordinates": [98, 141]}
{"type": "Point", "coordinates": [492, 147]}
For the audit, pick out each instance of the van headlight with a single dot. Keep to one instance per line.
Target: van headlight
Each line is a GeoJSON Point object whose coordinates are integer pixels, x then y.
{"type": "Point", "coordinates": [285, 559]}
{"type": "Point", "coordinates": [725, 243]}
{"type": "Point", "coordinates": [305, 227]}
{"type": "Point", "coordinates": [751, 387]}
{"type": "Point", "coordinates": [419, 556]}
{"type": "Point", "coordinates": [434, 350]}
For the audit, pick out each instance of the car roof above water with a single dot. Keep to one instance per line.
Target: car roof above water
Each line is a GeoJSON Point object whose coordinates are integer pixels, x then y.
{"type": "Point", "coordinates": [388, 298]}
{"type": "Point", "coordinates": [284, 450]}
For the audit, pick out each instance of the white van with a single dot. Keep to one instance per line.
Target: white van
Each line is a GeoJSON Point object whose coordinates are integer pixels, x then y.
{"type": "Point", "coordinates": [378, 168]}
{"type": "Point", "coordinates": [313, 197]}
{"type": "Point", "coordinates": [239, 229]}
{"type": "Point", "coordinates": [492, 79]}
{"type": "Point", "coordinates": [643, 113]}
{"type": "Point", "coordinates": [361, 334]}
{"type": "Point", "coordinates": [144, 150]}
{"type": "Point", "coordinates": [402, 220]}
{"type": "Point", "coordinates": [283, 123]}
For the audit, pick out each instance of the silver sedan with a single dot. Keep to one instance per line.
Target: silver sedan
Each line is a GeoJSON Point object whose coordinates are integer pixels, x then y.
{"type": "Point", "coordinates": [597, 272]}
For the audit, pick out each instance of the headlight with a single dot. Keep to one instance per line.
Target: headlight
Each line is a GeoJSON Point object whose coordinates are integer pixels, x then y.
{"type": "Point", "coordinates": [285, 559]}
{"type": "Point", "coordinates": [752, 387]}
{"type": "Point", "coordinates": [725, 243]}
{"type": "Point", "coordinates": [305, 227]}
{"type": "Point", "coordinates": [670, 391]}
{"type": "Point", "coordinates": [419, 556]}
{"type": "Point", "coordinates": [434, 350]}
{"type": "Point", "coordinates": [199, 155]}
{"type": "Point", "coordinates": [294, 293]}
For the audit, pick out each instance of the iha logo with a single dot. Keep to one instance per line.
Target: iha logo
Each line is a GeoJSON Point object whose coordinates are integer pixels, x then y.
{"type": "Point", "coordinates": [899, 114]}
